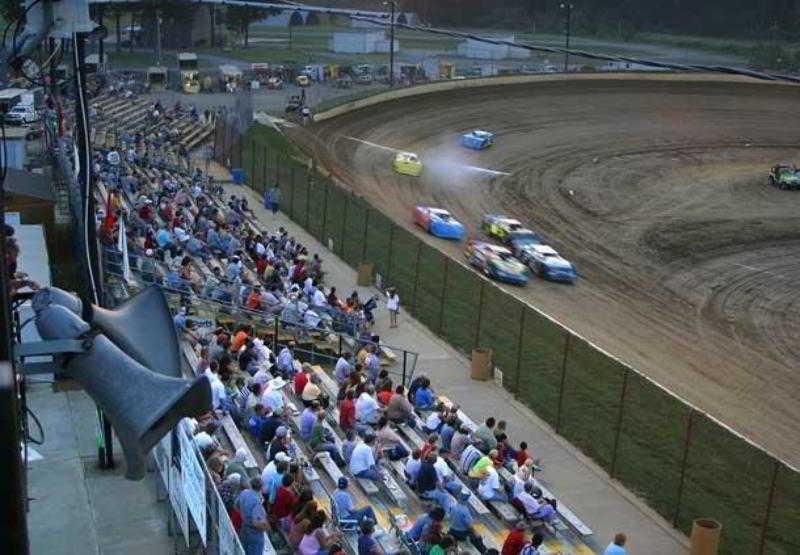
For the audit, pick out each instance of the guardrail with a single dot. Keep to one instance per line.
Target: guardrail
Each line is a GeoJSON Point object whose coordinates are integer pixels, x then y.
{"type": "Point", "coordinates": [682, 461]}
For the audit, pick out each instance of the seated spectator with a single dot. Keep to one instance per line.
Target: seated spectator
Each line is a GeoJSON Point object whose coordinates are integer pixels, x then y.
{"type": "Point", "coordinates": [322, 440]}
{"type": "Point", "coordinates": [366, 544]}
{"type": "Point", "coordinates": [312, 392]}
{"type": "Point", "coordinates": [412, 468]}
{"type": "Point", "coordinates": [235, 465]}
{"type": "Point", "coordinates": [362, 462]}
{"type": "Point", "coordinates": [442, 547]}
{"type": "Point", "coordinates": [343, 368]}
{"type": "Point", "coordinates": [423, 397]}
{"type": "Point", "coordinates": [399, 410]}
{"type": "Point", "coordinates": [347, 412]}
{"type": "Point", "coordinates": [284, 500]}
{"type": "Point", "coordinates": [348, 445]}
{"type": "Point", "coordinates": [446, 432]}
{"type": "Point", "coordinates": [490, 488]}
{"type": "Point", "coordinates": [301, 379]}
{"type": "Point", "coordinates": [534, 505]}
{"type": "Point", "coordinates": [317, 540]}
{"type": "Point", "coordinates": [484, 436]}
{"type": "Point", "coordinates": [345, 505]}
{"type": "Point", "coordinates": [279, 444]}
{"type": "Point", "coordinates": [387, 439]}
{"type": "Point", "coordinates": [269, 428]}
{"type": "Point", "coordinates": [307, 420]}
{"type": "Point", "coordinates": [461, 438]}
{"type": "Point", "coordinates": [427, 526]}
{"type": "Point", "coordinates": [367, 408]}
{"type": "Point", "coordinates": [515, 540]}
{"type": "Point", "coordinates": [435, 420]}
{"type": "Point", "coordinates": [429, 486]}
{"type": "Point", "coordinates": [522, 454]}
{"type": "Point", "coordinates": [384, 382]}
{"type": "Point", "coordinates": [256, 422]}
{"type": "Point", "coordinates": [462, 523]}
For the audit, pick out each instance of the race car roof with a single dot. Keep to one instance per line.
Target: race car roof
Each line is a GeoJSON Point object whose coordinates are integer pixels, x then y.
{"type": "Point", "coordinates": [544, 249]}
{"type": "Point", "coordinates": [407, 156]}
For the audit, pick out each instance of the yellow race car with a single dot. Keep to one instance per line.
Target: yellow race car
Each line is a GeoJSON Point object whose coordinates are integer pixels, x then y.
{"type": "Point", "coordinates": [407, 163]}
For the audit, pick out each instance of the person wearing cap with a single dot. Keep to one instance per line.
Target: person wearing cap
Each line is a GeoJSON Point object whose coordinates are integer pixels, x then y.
{"type": "Point", "coordinates": [462, 522]}
{"type": "Point", "coordinates": [345, 505]}
{"type": "Point", "coordinates": [362, 462]}
{"type": "Point", "coordinates": [280, 443]}
{"type": "Point", "coordinates": [367, 408]}
{"type": "Point", "coordinates": [235, 465]}
{"type": "Point", "coordinates": [489, 488]}
{"type": "Point", "coordinates": [273, 396]}
{"type": "Point", "coordinates": [271, 469]}
{"type": "Point", "coordinates": [322, 441]}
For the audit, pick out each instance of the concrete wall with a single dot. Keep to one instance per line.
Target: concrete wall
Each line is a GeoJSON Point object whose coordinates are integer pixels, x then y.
{"type": "Point", "coordinates": [442, 86]}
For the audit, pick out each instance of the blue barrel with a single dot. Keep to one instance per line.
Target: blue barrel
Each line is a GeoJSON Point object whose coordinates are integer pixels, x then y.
{"type": "Point", "coordinates": [237, 174]}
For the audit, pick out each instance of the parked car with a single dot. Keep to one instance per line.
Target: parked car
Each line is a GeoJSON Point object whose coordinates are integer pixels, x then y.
{"type": "Point", "coordinates": [407, 163]}
{"type": "Point", "coordinates": [496, 262]}
{"type": "Point", "coordinates": [438, 222]}
{"type": "Point", "coordinates": [21, 114]}
{"type": "Point", "coordinates": [784, 176]}
{"type": "Point", "coordinates": [545, 262]}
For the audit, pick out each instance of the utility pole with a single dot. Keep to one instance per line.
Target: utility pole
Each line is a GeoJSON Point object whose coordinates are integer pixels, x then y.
{"type": "Point", "coordinates": [158, 38]}
{"type": "Point", "coordinates": [392, 5]}
{"type": "Point", "coordinates": [568, 7]}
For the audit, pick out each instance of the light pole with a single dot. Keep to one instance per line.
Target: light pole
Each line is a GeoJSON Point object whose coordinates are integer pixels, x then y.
{"type": "Point", "coordinates": [392, 5]}
{"type": "Point", "coordinates": [158, 38]}
{"type": "Point", "coordinates": [568, 7]}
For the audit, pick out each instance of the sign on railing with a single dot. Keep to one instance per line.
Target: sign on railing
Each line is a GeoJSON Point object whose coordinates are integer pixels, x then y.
{"type": "Point", "coordinates": [194, 487]}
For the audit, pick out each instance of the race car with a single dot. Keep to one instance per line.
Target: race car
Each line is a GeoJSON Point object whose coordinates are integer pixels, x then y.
{"type": "Point", "coordinates": [407, 163]}
{"type": "Point", "coordinates": [784, 176]}
{"type": "Point", "coordinates": [499, 227]}
{"type": "Point", "coordinates": [477, 139]}
{"type": "Point", "coordinates": [496, 262]}
{"type": "Point", "coordinates": [518, 240]}
{"type": "Point", "coordinates": [545, 261]}
{"type": "Point", "coordinates": [438, 222]}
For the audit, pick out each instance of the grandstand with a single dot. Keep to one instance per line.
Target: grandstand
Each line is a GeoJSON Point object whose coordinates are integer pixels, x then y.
{"type": "Point", "coordinates": [166, 207]}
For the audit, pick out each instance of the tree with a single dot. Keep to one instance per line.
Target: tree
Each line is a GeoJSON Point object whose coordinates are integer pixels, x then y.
{"type": "Point", "coordinates": [239, 18]}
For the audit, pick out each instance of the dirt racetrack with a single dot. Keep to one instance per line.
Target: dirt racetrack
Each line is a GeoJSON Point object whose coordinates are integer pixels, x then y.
{"type": "Point", "coordinates": [689, 263]}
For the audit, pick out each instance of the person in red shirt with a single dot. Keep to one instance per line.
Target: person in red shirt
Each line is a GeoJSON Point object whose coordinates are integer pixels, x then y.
{"type": "Point", "coordinates": [146, 211]}
{"type": "Point", "coordinates": [428, 446]}
{"type": "Point", "coordinates": [347, 411]}
{"type": "Point", "coordinates": [284, 500]}
{"type": "Point", "coordinates": [384, 396]}
{"type": "Point", "coordinates": [522, 454]}
{"type": "Point", "coordinates": [515, 540]}
{"type": "Point", "coordinates": [300, 380]}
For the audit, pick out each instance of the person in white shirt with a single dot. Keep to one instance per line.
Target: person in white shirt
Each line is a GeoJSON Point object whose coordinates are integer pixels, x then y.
{"type": "Point", "coordinates": [318, 298]}
{"type": "Point", "coordinates": [393, 306]}
{"type": "Point", "coordinates": [446, 476]}
{"type": "Point", "coordinates": [367, 408]}
{"type": "Point", "coordinates": [489, 488]}
{"type": "Point", "coordinates": [362, 461]}
{"type": "Point", "coordinates": [218, 393]}
{"type": "Point", "coordinates": [343, 368]}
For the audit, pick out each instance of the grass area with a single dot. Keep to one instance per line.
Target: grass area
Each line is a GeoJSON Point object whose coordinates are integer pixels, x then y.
{"type": "Point", "coordinates": [645, 441]}
{"type": "Point", "coordinates": [329, 103]}
{"type": "Point", "coordinates": [126, 59]}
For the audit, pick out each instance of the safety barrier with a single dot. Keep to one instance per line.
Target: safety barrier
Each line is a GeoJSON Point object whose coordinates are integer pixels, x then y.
{"type": "Point", "coordinates": [683, 462]}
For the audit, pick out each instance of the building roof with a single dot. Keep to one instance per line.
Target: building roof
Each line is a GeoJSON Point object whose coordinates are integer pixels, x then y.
{"type": "Point", "coordinates": [19, 182]}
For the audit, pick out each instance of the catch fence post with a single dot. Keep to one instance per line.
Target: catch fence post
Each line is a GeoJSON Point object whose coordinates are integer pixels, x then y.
{"type": "Point", "coordinates": [264, 179]}
{"type": "Point", "coordinates": [684, 461]}
{"type": "Point", "coordinates": [252, 173]}
{"type": "Point", "coordinates": [519, 349]}
{"type": "Point", "coordinates": [567, 343]}
{"type": "Point", "coordinates": [308, 198]}
{"type": "Point", "coordinates": [416, 279]}
{"type": "Point", "coordinates": [619, 422]}
{"type": "Point", "coordinates": [444, 294]}
{"type": "Point", "coordinates": [366, 233]}
{"type": "Point", "coordinates": [768, 510]}
{"type": "Point", "coordinates": [291, 180]}
{"type": "Point", "coordinates": [322, 237]}
{"type": "Point", "coordinates": [389, 251]}
{"type": "Point", "coordinates": [476, 344]}
{"type": "Point", "coordinates": [344, 223]}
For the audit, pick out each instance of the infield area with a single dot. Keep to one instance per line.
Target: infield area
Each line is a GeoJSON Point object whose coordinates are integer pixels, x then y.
{"type": "Point", "coordinates": [655, 188]}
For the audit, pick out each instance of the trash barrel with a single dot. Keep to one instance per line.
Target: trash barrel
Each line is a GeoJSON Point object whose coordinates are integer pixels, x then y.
{"type": "Point", "coordinates": [365, 270]}
{"type": "Point", "coordinates": [481, 367]}
{"type": "Point", "coordinates": [705, 536]}
{"type": "Point", "coordinates": [237, 174]}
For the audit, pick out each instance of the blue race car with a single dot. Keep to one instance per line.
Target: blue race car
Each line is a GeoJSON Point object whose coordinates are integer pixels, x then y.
{"type": "Point", "coordinates": [545, 261]}
{"type": "Point", "coordinates": [477, 139]}
{"type": "Point", "coordinates": [438, 222]}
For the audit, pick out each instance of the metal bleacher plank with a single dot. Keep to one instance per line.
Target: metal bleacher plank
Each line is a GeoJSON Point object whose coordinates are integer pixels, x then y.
{"type": "Point", "coordinates": [566, 512]}
{"type": "Point", "coordinates": [238, 442]}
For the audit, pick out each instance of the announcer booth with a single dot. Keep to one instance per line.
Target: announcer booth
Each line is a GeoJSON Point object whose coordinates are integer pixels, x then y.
{"type": "Point", "coordinates": [157, 78]}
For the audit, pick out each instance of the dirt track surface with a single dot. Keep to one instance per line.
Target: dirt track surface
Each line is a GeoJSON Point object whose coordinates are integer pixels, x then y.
{"type": "Point", "coordinates": [689, 263]}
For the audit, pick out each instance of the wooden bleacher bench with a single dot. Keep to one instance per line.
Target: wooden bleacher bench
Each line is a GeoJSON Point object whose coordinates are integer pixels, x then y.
{"type": "Point", "coordinates": [238, 442]}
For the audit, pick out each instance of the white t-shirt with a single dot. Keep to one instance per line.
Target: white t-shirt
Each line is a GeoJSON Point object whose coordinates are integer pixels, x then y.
{"type": "Point", "coordinates": [393, 302]}
{"type": "Point", "coordinates": [490, 484]}
{"type": "Point", "coordinates": [319, 298]}
{"type": "Point", "coordinates": [442, 470]}
{"type": "Point", "coordinates": [362, 458]}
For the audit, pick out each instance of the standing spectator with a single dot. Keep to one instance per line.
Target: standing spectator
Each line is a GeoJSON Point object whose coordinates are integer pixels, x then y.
{"type": "Point", "coordinates": [617, 547]}
{"type": "Point", "coordinates": [272, 199]}
{"type": "Point", "coordinates": [343, 368]}
{"type": "Point", "coordinates": [393, 306]}
{"type": "Point", "coordinates": [284, 500]}
{"type": "Point", "coordinates": [250, 505]}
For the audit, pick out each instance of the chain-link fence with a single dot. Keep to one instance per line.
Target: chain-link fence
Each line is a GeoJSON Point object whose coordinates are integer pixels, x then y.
{"type": "Point", "coordinates": [682, 462]}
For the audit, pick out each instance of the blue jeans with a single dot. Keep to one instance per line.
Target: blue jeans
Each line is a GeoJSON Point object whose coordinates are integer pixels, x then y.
{"type": "Point", "coordinates": [361, 514]}
{"type": "Point", "coordinates": [252, 540]}
{"type": "Point", "coordinates": [441, 498]}
{"type": "Point", "coordinates": [331, 449]}
{"type": "Point", "coordinates": [371, 473]}
{"type": "Point", "coordinates": [398, 452]}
